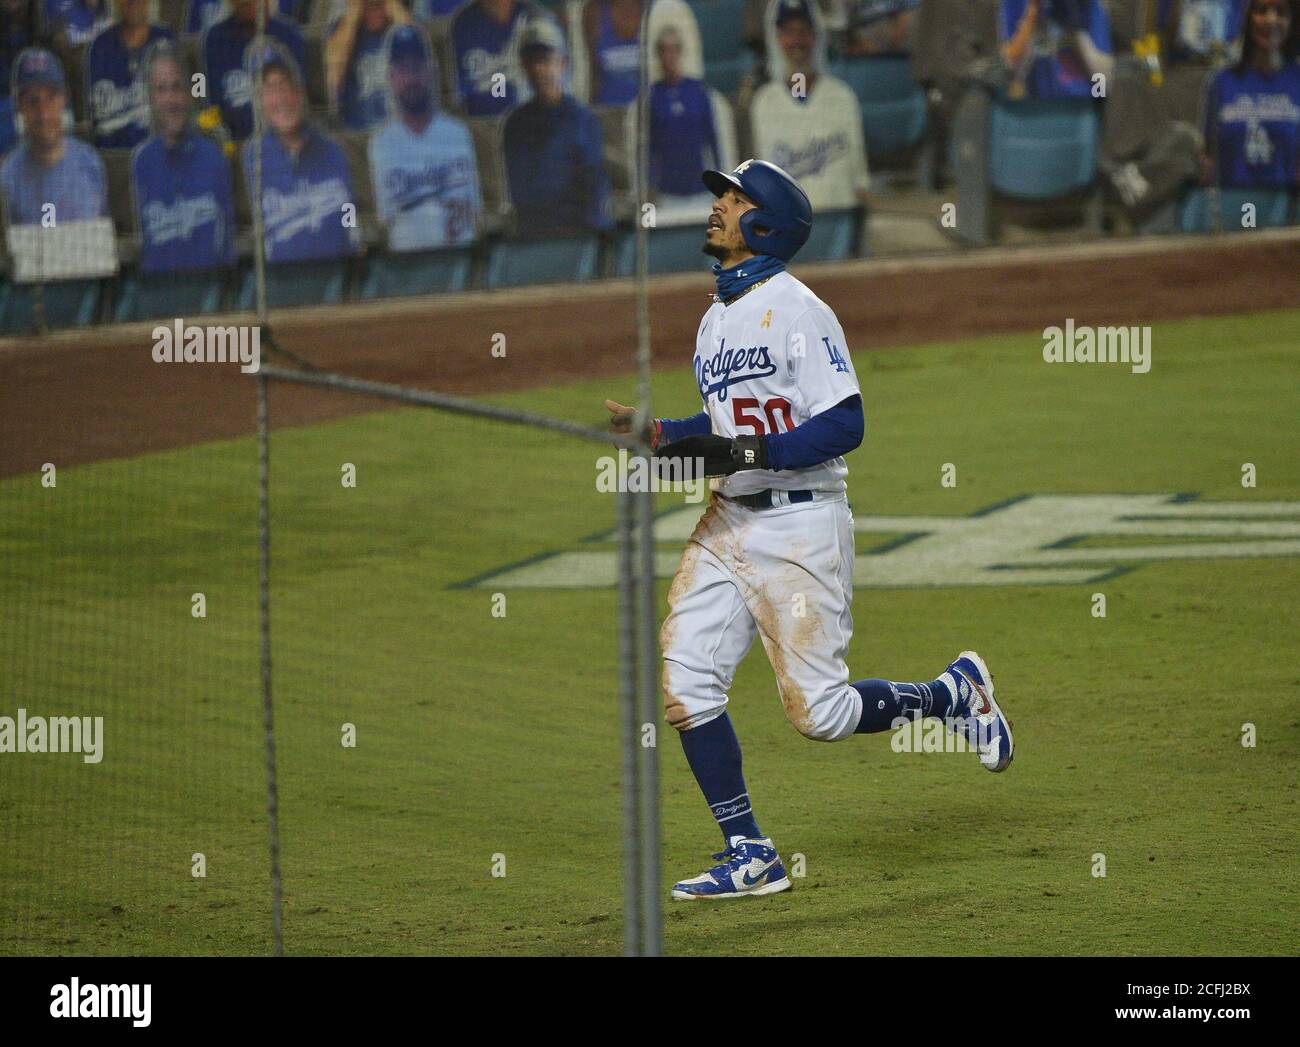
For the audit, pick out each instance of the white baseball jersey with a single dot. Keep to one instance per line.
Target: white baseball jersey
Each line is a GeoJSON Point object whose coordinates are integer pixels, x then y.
{"type": "Point", "coordinates": [817, 141]}
{"type": "Point", "coordinates": [766, 363]}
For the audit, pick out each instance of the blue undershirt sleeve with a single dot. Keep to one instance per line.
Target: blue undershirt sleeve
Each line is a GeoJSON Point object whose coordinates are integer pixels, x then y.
{"type": "Point", "coordinates": [677, 428]}
{"type": "Point", "coordinates": [834, 432]}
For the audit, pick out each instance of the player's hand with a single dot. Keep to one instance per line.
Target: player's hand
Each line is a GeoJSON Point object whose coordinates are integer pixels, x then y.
{"type": "Point", "coordinates": [621, 420]}
{"type": "Point", "coordinates": [717, 455]}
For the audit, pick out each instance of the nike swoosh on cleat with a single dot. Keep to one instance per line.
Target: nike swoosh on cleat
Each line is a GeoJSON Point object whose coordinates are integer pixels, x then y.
{"type": "Point", "coordinates": [988, 708]}
{"type": "Point", "coordinates": [755, 881]}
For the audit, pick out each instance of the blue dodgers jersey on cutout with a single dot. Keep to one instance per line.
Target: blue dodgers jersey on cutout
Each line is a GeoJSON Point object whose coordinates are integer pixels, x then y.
{"type": "Point", "coordinates": [223, 60]}
{"type": "Point", "coordinates": [555, 167]}
{"type": "Point", "coordinates": [116, 95]}
{"type": "Point", "coordinates": [423, 10]}
{"type": "Point", "coordinates": [1061, 73]}
{"type": "Point", "coordinates": [303, 199]}
{"type": "Point", "coordinates": [76, 185]}
{"type": "Point", "coordinates": [1253, 125]}
{"type": "Point", "coordinates": [426, 184]}
{"type": "Point", "coordinates": [185, 204]}
{"type": "Point", "coordinates": [203, 14]}
{"type": "Point", "coordinates": [618, 61]}
{"type": "Point", "coordinates": [1203, 25]}
{"type": "Point", "coordinates": [78, 19]}
{"type": "Point", "coordinates": [482, 48]}
{"type": "Point", "coordinates": [683, 138]}
{"type": "Point", "coordinates": [363, 101]}
{"type": "Point", "coordinates": [867, 11]}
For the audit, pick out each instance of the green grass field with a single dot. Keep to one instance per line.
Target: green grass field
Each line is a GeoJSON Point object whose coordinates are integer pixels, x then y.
{"type": "Point", "coordinates": [480, 736]}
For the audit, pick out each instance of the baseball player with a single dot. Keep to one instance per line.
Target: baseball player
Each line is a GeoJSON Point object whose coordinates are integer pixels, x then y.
{"type": "Point", "coordinates": [772, 556]}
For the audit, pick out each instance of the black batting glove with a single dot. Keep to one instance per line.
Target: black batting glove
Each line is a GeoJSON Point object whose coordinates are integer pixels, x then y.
{"type": "Point", "coordinates": [721, 456]}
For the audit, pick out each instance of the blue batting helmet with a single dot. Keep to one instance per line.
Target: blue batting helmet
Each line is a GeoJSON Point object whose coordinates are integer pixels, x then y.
{"type": "Point", "coordinates": [781, 222]}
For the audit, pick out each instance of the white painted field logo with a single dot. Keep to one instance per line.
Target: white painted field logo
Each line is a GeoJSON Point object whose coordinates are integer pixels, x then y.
{"type": "Point", "coordinates": [1098, 345]}
{"type": "Point", "coordinates": [75, 1000]}
{"type": "Point", "coordinates": [1047, 539]}
{"type": "Point", "coordinates": [53, 734]}
{"type": "Point", "coordinates": [183, 343]}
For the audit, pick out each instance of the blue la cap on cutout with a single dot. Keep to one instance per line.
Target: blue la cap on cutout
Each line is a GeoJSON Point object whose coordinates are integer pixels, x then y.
{"type": "Point", "coordinates": [271, 56]}
{"type": "Point", "coordinates": [407, 44]}
{"type": "Point", "coordinates": [794, 9]}
{"type": "Point", "coordinates": [37, 66]}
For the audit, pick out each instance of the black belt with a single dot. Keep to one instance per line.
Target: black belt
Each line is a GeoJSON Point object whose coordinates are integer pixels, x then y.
{"type": "Point", "coordinates": [763, 499]}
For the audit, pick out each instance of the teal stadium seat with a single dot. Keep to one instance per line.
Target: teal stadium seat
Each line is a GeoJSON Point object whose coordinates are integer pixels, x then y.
{"type": "Point", "coordinates": [68, 303]}
{"type": "Point", "coordinates": [892, 103]}
{"type": "Point", "coordinates": [543, 260]}
{"type": "Point", "coordinates": [145, 296]}
{"type": "Point", "coordinates": [322, 282]}
{"type": "Point", "coordinates": [722, 31]}
{"type": "Point", "coordinates": [1272, 210]}
{"type": "Point", "coordinates": [676, 249]}
{"type": "Point", "coordinates": [833, 238]}
{"type": "Point", "coordinates": [1041, 149]}
{"type": "Point", "coordinates": [417, 272]}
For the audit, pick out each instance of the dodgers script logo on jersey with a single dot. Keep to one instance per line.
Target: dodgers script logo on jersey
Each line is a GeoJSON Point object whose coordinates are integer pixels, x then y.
{"type": "Point", "coordinates": [728, 367]}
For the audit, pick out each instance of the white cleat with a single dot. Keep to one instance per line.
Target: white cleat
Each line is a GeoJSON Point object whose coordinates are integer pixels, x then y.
{"type": "Point", "coordinates": [982, 722]}
{"type": "Point", "coordinates": [749, 868]}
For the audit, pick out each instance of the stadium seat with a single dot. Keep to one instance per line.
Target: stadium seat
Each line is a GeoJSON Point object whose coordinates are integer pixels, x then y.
{"type": "Point", "coordinates": [121, 201]}
{"type": "Point", "coordinates": [392, 275]}
{"type": "Point", "coordinates": [8, 135]}
{"type": "Point", "coordinates": [952, 40]}
{"type": "Point", "coordinates": [68, 303]}
{"type": "Point", "coordinates": [834, 236]}
{"type": "Point", "coordinates": [726, 59]}
{"type": "Point", "coordinates": [1127, 18]}
{"type": "Point", "coordinates": [147, 296]}
{"type": "Point", "coordinates": [676, 249]}
{"type": "Point", "coordinates": [1272, 210]}
{"type": "Point", "coordinates": [544, 260]}
{"type": "Point", "coordinates": [1032, 150]}
{"type": "Point", "coordinates": [445, 57]}
{"type": "Point", "coordinates": [193, 59]}
{"type": "Point", "coordinates": [893, 105]}
{"type": "Point", "coordinates": [322, 282]}
{"type": "Point", "coordinates": [1042, 149]}
{"type": "Point", "coordinates": [486, 132]}
{"type": "Point", "coordinates": [314, 74]}
{"type": "Point", "coordinates": [619, 133]}
{"type": "Point", "coordinates": [950, 35]}
{"type": "Point", "coordinates": [356, 148]}
{"type": "Point", "coordinates": [171, 13]}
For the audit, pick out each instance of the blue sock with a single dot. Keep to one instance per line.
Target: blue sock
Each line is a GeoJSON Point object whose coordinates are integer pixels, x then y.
{"type": "Point", "coordinates": [883, 702]}
{"type": "Point", "coordinates": [713, 751]}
